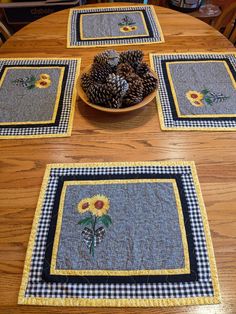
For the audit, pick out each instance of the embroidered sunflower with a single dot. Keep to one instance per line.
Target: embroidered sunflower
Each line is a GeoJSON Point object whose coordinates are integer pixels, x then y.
{"type": "Point", "coordinates": [44, 76]}
{"type": "Point", "coordinates": [99, 205]}
{"type": "Point", "coordinates": [42, 83]}
{"type": "Point", "coordinates": [125, 29]}
{"type": "Point", "coordinates": [84, 205]}
{"type": "Point", "coordinates": [134, 28]}
{"type": "Point", "coordinates": [127, 24]}
{"type": "Point", "coordinates": [193, 95]}
{"type": "Point", "coordinates": [197, 103]}
{"type": "Point", "coordinates": [95, 220]}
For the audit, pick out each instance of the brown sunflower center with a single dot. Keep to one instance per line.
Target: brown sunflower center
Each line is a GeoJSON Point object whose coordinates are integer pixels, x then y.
{"type": "Point", "coordinates": [99, 204]}
{"type": "Point", "coordinates": [43, 83]}
{"type": "Point", "coordinates": [194, 96]}
{"type": "Point", "coordinates": [85, 205]}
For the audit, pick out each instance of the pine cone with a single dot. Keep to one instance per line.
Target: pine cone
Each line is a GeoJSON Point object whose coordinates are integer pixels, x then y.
{"type": "Point", "coordinates": [141, 69]}
{"type": "Point", "coordinates": [86, 81]}
{"type": "Point", "coordinates": [100, 94]}
{"type": "Point", "coordinates": [130, 78]}
{"type": "Point", "coordinates": [115, 102]}
{"type": "Point", "coordinates": [134, 94]}
{"type": "Point", "coordinates": [110, 93]}
{"type": "Point", "coordinates": [124, 69]}
{"type": "Point", "coordinates": [118, 84]}
{"type": "Point", "coordinates": [149, 83]}
{"type": "Point", "coordinates": [118, 80]}
{"type": "Point", "coordinates": [99, 72]}
{"type": "Point", "coordinates": [110, 57]}
{"type": "Point", "coordinates": [132, 57]}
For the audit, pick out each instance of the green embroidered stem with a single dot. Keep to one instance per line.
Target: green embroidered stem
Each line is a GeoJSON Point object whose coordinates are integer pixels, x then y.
{"type": "Point", "coordinates": [92, 247]}
{"type": "Point", "coordinates": [28, 82]}
{"type": "Point", "coordinates": [211, 97]}
{"type": "Point", "coordinates": [205, 97]}
{"type": "Point", "coordinates": [96, 207]}
{"type": "Point", "coordinates": [126, 21]}
{"type": "Point", "coordinates": [31, 82]}
{"type": "Point", "coordinates": [92, 244]}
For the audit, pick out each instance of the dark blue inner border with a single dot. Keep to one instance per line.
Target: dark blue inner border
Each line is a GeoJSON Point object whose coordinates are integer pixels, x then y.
{"type": "Point", "coordinates": [60, 105]}
{"type": "Point", "coordinates": [193, 276]}
{"type": "Point", "coordinates": [149, 27]}
{"type": "Point", "coordinates": [170, 96]}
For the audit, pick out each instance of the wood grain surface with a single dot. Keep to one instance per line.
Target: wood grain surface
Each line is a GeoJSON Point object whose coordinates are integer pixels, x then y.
{"type": "Point", "coordinates": [99, 136]}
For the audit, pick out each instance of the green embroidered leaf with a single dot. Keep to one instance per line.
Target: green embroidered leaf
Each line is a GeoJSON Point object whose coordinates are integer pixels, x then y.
{"type": "Point", "coordinates": [121, 24]}
{"type": "Point", "coordinates": [106, 220]}
{"type": "Point", "coordinates": [33, 79]}
{"type": "Point", "coordinates": [30, 86]}
{"type": "Point", "coordinates": [208, 101]}
{"type": "Point", "coordinates": [109, 219]}
{"type": "Point", "coordinates": [86, 221]}
{"type": "Point", "coordinates": [205, 91]}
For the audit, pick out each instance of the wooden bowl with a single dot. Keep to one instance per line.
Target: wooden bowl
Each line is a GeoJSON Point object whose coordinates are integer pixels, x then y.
{"type": "Point", "coordinates": [85, 99]}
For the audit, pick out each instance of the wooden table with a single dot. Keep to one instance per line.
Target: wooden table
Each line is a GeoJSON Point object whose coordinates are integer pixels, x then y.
{"type": "Point", "coordinates": [101, 137]}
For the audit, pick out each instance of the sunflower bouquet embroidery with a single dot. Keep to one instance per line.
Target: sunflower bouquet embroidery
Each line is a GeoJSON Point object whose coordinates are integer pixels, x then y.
{"type": "Point", "coordinates": [205, 97]}
{"type": "Point", "coordinates": [127, 25]}
{"type": "Point", "coordinates": [96, 209]}
{"type": "Point", "coordinates": [31, 82]}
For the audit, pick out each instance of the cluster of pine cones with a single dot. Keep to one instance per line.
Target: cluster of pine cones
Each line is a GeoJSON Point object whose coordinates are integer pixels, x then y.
{"type": "Point", "coordinates": [118, 80]}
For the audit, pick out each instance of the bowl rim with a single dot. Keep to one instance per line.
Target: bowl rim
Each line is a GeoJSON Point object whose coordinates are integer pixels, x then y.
{"type": "Point", "coordinates": [85, 99]}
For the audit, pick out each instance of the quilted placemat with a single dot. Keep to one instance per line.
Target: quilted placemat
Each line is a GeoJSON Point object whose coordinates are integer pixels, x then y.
{"type": "Point", "coordinates": [120, 234]}
{"type": "Point", "coordinates": [113, 26]}
{"type": "Point", "coordinates": [37, 97]}
{"type": "Point", "coordinates": [197, 91]}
